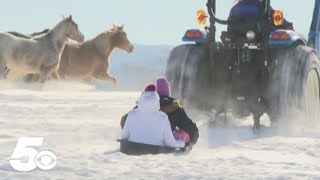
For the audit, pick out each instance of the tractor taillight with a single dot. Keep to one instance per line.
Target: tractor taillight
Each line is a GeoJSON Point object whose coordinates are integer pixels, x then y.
{"type": "Point", "coordinates": [197, 34]}
{"type": "Point", "coordinates": [284, 36]}
{"type": "Point", "coordinates": [278, 18]}
{"type": "Point", "coordinates": [189, 34]}
{"type": "Point", "coordinates": [276, 36]}
{"type": "Point", "coordinates": [194, 34]}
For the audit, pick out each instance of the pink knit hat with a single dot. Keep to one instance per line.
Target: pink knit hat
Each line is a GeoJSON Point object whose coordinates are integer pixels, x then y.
{"type": "Point", "coordinates": [163, 87]}
{"type": "Point", "coordinates": [150, 87]}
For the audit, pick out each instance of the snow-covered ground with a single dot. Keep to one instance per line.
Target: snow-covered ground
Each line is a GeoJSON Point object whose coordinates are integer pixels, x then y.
{"type": "Point", "coordinates": [80, 124]}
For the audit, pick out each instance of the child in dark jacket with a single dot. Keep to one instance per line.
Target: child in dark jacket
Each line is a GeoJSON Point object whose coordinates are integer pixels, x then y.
{"type": "Point", "coordinates": [178, 118]}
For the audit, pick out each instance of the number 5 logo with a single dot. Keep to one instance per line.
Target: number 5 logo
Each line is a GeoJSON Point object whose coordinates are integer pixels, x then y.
{"type": "Point", "coordinates": [44, 160]}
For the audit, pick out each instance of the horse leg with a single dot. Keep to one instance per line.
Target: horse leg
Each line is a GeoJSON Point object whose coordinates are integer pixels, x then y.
{"type": "Point", "coordinates": [60, 74]}
{"type": "Point", "coordinates": [6, 72]}
{"type": "Point", "coordinates": [3, 68]}
{"type": "Point", "coordinates": [55, 75]}
{"type": "Point", "coordinates": [107, 77]}
{"type": "Point", "coordinates": [43, 77]}
{"type": "Point", "coordinates": [45, 72]}
{"type": "Point", "coordinates": [34, 78]}
{"type": "Point", "coordinates": [14, 75]}
{"type": "Point", "coordinates": [30, 78]}
{"type": "Point", "coordinates": [87, 78]}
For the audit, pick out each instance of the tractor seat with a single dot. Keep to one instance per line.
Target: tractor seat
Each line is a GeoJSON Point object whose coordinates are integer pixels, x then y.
{"type": "Point", "coordinates": [242, 24]}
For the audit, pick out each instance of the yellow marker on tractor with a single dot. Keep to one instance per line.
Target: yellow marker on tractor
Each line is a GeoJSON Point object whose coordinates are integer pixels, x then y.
{"type": "Point", "coordinates": [278, 18]}
{"type": "Point", "coordinates": [201, 17]}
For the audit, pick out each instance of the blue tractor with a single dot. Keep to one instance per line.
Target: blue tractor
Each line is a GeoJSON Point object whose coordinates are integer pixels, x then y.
{"type": "Point", "coordinates": [258, 67]}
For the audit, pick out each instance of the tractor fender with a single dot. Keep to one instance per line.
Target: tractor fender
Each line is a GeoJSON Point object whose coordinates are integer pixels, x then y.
{"type": "Point", "coordinates": [293, 39]}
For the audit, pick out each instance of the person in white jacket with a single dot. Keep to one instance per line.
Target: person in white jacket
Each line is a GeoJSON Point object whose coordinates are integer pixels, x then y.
{"type": "Point", "coordinates": [147, 124]}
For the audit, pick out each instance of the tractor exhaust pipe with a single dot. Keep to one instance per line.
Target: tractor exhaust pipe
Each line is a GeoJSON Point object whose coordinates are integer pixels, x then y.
{"type": "Point", "coordinates": [267, 10]}
{"type": "Point", "coordinates": [211, 5]}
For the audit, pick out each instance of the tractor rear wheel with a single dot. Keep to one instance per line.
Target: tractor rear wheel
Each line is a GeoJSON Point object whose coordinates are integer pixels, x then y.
{"type": "Point", "coordinates": [295, 85]}
{"type": "Point", "coordinates": [188, 72]}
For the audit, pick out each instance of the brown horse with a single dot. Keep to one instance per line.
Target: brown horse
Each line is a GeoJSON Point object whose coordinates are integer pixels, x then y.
{"type": "Point", "coordinates": [91, 59]}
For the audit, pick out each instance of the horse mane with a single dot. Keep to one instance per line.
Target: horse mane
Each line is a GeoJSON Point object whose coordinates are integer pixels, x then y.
{"type": "Point", "coordinates": [50, 31]}
{"type": "Point", "coordinates": [103, 41]}
{"type": "Point", "coordinates": [17, 34]}
{"type": "Point", "coordinates": [29, 36]}
{"type": "Point", "coordinates": [45, 31]}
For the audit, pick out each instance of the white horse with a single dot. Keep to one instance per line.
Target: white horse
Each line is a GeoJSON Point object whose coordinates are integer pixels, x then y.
{"type": "Point", "coordinates": [41, 54]}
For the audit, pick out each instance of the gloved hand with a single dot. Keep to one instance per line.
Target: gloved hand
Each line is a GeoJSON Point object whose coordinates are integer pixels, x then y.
{"type": "Point", "coordinates": [181, 135]}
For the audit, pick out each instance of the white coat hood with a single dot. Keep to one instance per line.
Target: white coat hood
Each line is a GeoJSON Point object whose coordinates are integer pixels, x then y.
{"type": "Point", "coordinates": [149, 101]}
